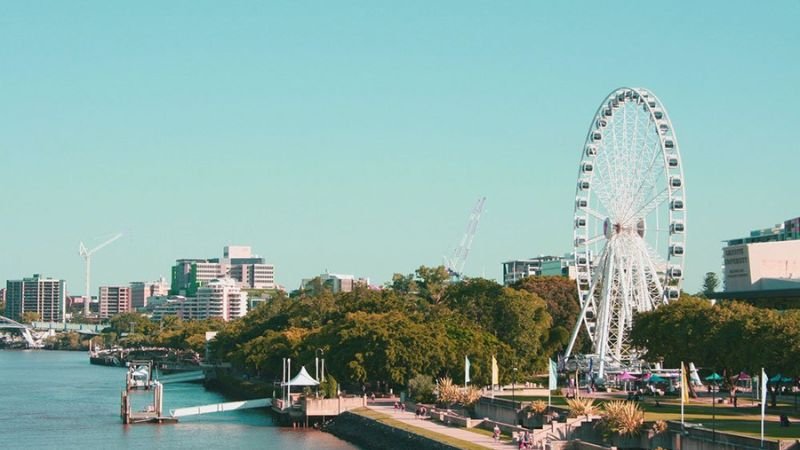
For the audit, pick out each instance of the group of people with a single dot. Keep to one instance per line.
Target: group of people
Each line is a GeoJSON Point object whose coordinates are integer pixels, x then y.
{"type": "Point", "coordinates": [524, 439]}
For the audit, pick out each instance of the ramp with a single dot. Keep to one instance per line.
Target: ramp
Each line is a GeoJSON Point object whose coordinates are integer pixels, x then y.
{"type": "Point", "coordinates": [185, 377]}
{"type": "Point", "coordinates": [221, 407]}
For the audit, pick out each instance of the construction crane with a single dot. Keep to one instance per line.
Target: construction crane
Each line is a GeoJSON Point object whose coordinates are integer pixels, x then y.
{"type": "Point", "coordinates": [87, 256]}
{"type": "Point", "coordinates": [455, 264]}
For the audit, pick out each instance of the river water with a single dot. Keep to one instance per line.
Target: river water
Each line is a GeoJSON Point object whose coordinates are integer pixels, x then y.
{"type": "Point", "coordinates": [51, 399]}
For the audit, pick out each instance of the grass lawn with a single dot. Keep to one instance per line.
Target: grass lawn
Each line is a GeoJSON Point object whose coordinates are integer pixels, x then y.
{"type": "Point", "coordinates": [745, 420]}
{"type": "Point", "coordinates": [388, 420]}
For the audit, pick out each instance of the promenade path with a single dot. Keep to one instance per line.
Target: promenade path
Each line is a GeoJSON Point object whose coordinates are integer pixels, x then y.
{"type": "Point", "coordinates": [409, 418]}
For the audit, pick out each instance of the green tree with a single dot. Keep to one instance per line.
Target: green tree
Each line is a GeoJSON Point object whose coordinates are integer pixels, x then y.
{"type": "Point", "coordinates": [657, 331]}
{"type": "Point", "coordinates": [29, 317]}
{"type": "Point", "coordinates": [710, 284]}
{"type": "Point", "coordinates": [403, 284]}
{"type": "Point", "coordinates": [516, 317]}
{"type": "Point", "coordinates": [432, 282]}
{"type": "Point", "coordinates": [420, 389]}
{"type": "Point", "coordinates": [561, 296]}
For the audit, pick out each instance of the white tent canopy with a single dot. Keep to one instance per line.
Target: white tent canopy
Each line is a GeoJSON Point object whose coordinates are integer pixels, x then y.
{"type": "Point", "coordinates": [302, 379]}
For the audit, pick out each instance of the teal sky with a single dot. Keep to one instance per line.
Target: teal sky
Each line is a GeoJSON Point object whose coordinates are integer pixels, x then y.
{"type": "Point", "coordinates": [356, 136]}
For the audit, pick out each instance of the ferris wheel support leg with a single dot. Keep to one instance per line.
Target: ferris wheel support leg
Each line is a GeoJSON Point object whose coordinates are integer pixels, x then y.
{"type": "Point", "coordinates": [605, 302]}
{"type": "Point", "coordinates": [581, 319]}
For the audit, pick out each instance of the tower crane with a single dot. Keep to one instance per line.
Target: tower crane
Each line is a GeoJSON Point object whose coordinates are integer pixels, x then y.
{"type": "Point", "coordinates": [455, 264]}
{"type": "Point", "coordinates": [87, 256]}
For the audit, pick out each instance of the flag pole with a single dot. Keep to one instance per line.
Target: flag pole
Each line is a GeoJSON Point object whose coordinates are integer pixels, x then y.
{"type": "Point", "coordinates": [763, 383]}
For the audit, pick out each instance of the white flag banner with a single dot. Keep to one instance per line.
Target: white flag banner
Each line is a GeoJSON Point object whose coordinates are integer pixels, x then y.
{"type": "Point", "coordinates": [466, 370]}
{"type": "Point", "coordinates": [495, 373]}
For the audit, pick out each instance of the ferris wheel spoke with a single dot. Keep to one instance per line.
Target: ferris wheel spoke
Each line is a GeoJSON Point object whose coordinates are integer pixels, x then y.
{"type": "Point", "coordinates": [595, 239]}
{"type": "Point", "coordinates": [650, 205]}
{"type": "Point", "coordinates": [594, 213]}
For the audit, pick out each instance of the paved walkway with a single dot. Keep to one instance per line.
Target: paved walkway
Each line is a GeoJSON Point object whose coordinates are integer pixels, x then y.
{"type": "Point", "coordinates": [409, 418]}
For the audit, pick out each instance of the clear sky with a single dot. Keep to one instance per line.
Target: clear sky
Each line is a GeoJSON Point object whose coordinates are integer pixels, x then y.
{"type": "Point", "coordinates": [356, 136]}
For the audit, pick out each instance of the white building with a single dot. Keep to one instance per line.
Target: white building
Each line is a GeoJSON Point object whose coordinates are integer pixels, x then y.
{"type": "Point", "coordinates": [767, 259]}
{"type": "Point", "coordinates": [221, 298]}
{"type": "Point", "coordinates": [336, 282]}
{"type": "Point", "coordinates": [166, 306]}
{"type": "Point", "coordinates": [748, 267]}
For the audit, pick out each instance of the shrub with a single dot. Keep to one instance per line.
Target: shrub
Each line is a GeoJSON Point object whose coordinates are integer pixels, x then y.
{"type": "Point", "coordinates": [448, 393]}
{"type": "Point", "coordinates": [659, 426]}
{"type": "Point", "coordinates": [329, 387]}
{"type": "Point", "coordinates": [420, 389]}
{"type": "Point", "coordinates": [581, 406]}
{"type": "Point", "coordinates": [469, 396]}
{"type": "Point", "coordinates": [538, 407]}
{"type": "Point", "coordinates": [623, 418]}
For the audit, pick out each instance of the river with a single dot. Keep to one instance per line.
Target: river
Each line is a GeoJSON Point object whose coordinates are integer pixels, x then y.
{"type": "Point", "coordinates": [53, 399]}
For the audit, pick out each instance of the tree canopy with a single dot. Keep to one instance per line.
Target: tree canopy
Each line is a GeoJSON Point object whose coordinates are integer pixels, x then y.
{"type": "Point", "coordinates": [730, 336]}
{"type": "Point", "coordinates": [420, 324]}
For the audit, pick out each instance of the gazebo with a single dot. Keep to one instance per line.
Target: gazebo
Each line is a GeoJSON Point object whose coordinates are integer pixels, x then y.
{"type": "Point", "coordinates": [302, 379]}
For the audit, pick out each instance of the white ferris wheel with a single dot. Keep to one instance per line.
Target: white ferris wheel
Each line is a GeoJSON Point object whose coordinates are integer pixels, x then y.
{"type": "Point", "coordinates": [629, 224]}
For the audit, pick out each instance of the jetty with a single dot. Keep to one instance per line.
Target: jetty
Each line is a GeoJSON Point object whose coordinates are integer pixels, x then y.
{"type": "Point", "coordinates": [143, 398]}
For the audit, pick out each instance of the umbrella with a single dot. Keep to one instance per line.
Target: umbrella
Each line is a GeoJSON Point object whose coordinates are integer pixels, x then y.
{"type": "Point", "coordinates": [625, 376]}
{"type": "Point", "coordinates": [743, 376]}
{"type": "Point", "coordinates": [714, 377]}
{"type": "Point", "coordinates": [776, 379]}
{"type": "Point", "coordinates": [657, 379]}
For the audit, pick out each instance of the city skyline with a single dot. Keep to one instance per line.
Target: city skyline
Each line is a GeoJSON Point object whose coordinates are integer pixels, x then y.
{"type": "Point", "coordinates": [356, 138]}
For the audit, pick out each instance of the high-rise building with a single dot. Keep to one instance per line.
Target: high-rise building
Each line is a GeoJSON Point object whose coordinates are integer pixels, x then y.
{"type": "Point", "coordinates": [141, 291]}
{"type": "Point", "coordinates": [254, 276]}
{"type": "Point", "coordinates": [766, 260]}
{"type": "Point", "coordinates": [43, 296]}
{"type": "Point", "coordinates": [190, 274]}
{"type": "Point", "coordinates": [238, 262]}
{"type": "Point", "coordinates": [114, 300]}
{"type": "Point", "coordinates": [540, 266]}
{"type": "Point", "coordinates": [221, 299]}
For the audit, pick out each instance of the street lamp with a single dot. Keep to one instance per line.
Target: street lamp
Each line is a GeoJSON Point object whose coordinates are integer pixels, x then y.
{"type": "Point", "coordinates": [714, 412]}
{"type": "Point", "coordinates": [514, 388]}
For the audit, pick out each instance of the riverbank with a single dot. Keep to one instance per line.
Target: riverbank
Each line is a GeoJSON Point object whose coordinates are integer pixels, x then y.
{"type": "Point", "coordinates": [237, 387]}
{"type": "Point", "coordinates": [367, 430]}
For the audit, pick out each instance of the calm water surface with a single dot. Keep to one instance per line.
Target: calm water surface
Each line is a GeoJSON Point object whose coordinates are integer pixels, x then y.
{"type": "Point", "coordinates": [54, 399]}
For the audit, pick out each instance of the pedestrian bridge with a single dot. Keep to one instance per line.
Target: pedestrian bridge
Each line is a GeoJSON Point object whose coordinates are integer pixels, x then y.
{"type": "Point", "coordinates": [6, 323]}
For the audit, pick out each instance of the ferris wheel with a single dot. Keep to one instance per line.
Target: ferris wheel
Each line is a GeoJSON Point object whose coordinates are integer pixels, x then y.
{"type": "Point", "coordinates": [629, 223]}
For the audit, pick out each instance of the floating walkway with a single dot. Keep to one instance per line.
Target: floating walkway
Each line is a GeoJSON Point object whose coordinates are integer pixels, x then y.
{"type": "Point", "coordinates": [221, 407]}
{"type": "Point", "coordinates": [183, 377]}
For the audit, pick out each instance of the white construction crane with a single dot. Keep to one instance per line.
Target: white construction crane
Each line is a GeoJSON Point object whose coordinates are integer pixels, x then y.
{"type": "Point", "coordinates": [455, 264]}
{"type": "Point", "coordinates": [87, 256]}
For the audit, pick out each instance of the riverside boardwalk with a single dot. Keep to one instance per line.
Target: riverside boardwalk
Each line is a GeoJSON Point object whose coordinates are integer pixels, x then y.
{"type": "Point", "coordinates": [409, 418]}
